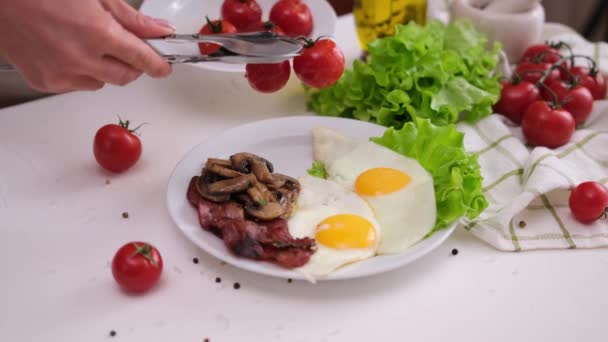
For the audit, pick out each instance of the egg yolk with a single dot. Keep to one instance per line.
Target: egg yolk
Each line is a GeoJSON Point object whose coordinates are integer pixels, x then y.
{"type": "Point", "coordinates": [346, 231]}
{"type": "Point", "coordinates": [381, 181]}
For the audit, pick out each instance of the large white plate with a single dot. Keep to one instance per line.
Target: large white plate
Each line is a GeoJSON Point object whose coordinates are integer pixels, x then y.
{"type": "Point", "coordinates": [287, 142]}
{"type": "Point", "coordinates": [188, 16]}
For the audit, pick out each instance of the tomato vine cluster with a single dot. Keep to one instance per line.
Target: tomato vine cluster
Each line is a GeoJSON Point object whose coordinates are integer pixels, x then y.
{"type": "Point", "coordinates": [320, 65]}
{"type": "Point", "coordinates": [549, 94]}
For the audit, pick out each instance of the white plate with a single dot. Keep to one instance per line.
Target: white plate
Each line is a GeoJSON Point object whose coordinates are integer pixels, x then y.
{"type": "Point", "coordinates": [287, 142]}
{"type": "Point", "coordinates": [188, 16]}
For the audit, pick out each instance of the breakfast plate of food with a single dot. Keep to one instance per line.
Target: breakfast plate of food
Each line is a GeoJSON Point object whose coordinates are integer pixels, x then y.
{"type": "Point", "coordinates": [314, 198]}
{"type": "Point", "coordinates": [322, 198]}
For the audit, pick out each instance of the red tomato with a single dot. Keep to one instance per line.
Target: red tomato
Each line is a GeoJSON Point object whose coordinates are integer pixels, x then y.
{"type": "Point", "coordinates": [541, 53]}
{"type": "Point", "coordinates": [116, 148]}
{"type": "Point", "coordinates": [271, 27]}
{"type": "Point", "coordinates": [592, 80]}
{"type": "Point", "coordinates": [320, 65]}
{"type": "Point", "coordinates": [137, 266]}
{"type": "Point", "coordinates": [267, 26]}
{"type": "Point", "coordinates": [214, 27]}
{"type": "Point", "coordinates": [546, 126]}
{"type": "Point", "coordinates": [533, 72]}
{"type": "Point", "coordinates": [578, 99]}
{"type": "Point", "coordinates": [588, 201]}
{"type": "Point", "coordinates": [515, 98]}
{"type": "Point", "coordinates": [268, 78]}
{"type": "Point", "coordinates": [293, 16]}
{"type": "Point", "coordinates": [242, 13]}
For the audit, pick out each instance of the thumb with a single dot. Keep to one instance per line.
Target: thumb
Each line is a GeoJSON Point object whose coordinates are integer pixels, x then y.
{"type": "Point", "coordinates": [139, 24]}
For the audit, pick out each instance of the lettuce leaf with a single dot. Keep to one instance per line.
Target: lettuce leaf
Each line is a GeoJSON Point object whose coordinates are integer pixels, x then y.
{"type": "Point", "coordinates": [442, 73]}
{"type": "Point", "coordinates": [317, 170]}
{"type": "Point", "coordinates": [456, 174]}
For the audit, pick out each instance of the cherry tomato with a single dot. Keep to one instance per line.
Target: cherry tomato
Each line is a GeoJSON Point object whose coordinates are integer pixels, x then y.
{"type": "Point", "coordinates": [541, 53]}
{"type": "Point", "coordinates": [116, 147]}
{"type": "Point", "coordinates": [320, 65]}
{"type": "Point", "coordinates": [243, 14]}
{"type": "Point", "coordinates": [268, 78]}
{"type": "Point", "coordinates": [515, 98]}
{"type": "Point", "coordinates": [588, 201]}
{"type": "Point", "coordinates": [137, 266]}
{"type": "Point", "coordinates": [578, 99]}
{"type": "Point", "coordinates": [267, 26]}
{"type": "Point", "coordinates": [546, 126]}
{"type": "Point", "coordinates": [214, 27]}
{"type": "Point", "coordinates": [271, 27]}
{"type": "Point", "coordinates": [293, 16]}
{"type": "Point", "coordinates": [590, 79]}
{"type": "Point", "coordinates": [532, 72]}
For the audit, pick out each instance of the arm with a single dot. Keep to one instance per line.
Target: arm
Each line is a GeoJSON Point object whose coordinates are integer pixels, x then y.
{"type": "Point", "coordinates": [65, 45]}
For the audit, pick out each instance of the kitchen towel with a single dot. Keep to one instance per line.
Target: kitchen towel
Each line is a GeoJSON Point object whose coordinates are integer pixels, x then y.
{"type": "Point", "coordinates": [528, 189]}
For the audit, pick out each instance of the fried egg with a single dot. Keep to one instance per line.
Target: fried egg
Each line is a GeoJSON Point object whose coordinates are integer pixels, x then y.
{"type": "Point", "coordinates": [398, 189]}
{"type": "Point", "coordinates": [342, 224]}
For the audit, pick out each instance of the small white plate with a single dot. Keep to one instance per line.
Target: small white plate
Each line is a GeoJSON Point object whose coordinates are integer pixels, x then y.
{"type": "Point", "coordinates": [188, 16]}
{"type": "Point", "coordinates": [287, 143]}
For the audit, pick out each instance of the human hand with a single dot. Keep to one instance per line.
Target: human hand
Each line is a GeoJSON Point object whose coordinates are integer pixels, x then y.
{"type": "Point", "coordinates": [65, 45]}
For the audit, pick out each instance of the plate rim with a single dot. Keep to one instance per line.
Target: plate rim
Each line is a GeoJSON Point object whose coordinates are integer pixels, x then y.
{"type": "Point", "coordinates": [438, 237]}
{"type": "Point", "coordinates": [222, 67]}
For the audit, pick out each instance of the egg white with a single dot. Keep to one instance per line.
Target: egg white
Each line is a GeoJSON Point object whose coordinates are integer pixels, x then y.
{"type": "Point", "coordinates": [318, 200]}
{"type": "Point", "coordinates": [405, 216]}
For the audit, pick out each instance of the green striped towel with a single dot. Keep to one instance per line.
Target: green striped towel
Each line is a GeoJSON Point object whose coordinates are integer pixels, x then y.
{"type": "Point", "coordinates": [528, 189]}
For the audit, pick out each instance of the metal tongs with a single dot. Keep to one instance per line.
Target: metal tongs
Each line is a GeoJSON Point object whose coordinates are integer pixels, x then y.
{"type": "Point", "coordinates": [239, 48]}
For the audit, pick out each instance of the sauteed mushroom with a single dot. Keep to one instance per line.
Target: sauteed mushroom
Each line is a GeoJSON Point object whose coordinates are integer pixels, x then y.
{"type": "Point", "coordinates": [247, 163]}
{"type": "Point", "coordinates": [202, 185]}
{"type": "Point", "coordinates": [249, 179]}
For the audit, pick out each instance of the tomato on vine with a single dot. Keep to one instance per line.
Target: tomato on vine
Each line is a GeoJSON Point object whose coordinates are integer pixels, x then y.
{"type": "Point", "coordinates": [547, 125]}
{"type": "Point", "coordinates": [515, 96]}
{"type": "Point", "coordinates": [214, 27]}
{"type": "Point", "coordinates": [321, 63]}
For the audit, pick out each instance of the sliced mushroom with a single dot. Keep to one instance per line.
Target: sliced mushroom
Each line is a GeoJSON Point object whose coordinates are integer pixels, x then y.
{"type": "Point", "coordinates": [202, 186]}
{"type": "Point", "coordinates": [256, 196]}
{"type": "Point", "coordinates": [284, 181]}
{"type": "Point", "coordinates": [266, 212]}
{"type": "Point", "coordinates": [250, 163]}
{"type": "Point", "coordinates": [231, 185]}
{"type": "Point", "coordinates": [221, 162]}
{"type": "Point", "coordinates": [287, 199]}
{"type": "Point", "coordinates": [218, 166]}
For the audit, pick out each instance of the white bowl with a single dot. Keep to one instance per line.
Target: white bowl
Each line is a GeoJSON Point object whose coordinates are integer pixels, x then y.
{"type": "Point", "coordinates": [515, 31]}
{"type": "Point", "coordinates": [188, 16]}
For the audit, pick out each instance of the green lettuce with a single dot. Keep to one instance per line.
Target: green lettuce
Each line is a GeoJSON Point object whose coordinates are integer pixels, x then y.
{"type": "Point", "coordinates": [456, 174]}
{"type": "Point", "coordinates": [443, 73]}
{"type": "Point", "coordinates": [317, 170]}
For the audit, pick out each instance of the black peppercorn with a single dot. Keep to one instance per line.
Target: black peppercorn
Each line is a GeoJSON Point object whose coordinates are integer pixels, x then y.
{"type": "Point", "coordinates": [237, 286]}
{"type": "Point", "coordinates": [454, 251]}
{"type": "Point", "coordinates": [195, 260]}
{"type": "Point", "coordinates": [125, 215]}
{"type": "Point", "coordinates": [218, 280]}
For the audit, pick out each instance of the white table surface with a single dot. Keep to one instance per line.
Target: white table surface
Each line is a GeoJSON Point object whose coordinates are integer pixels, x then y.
{"type": "Point", "coordinates": [60, 225]}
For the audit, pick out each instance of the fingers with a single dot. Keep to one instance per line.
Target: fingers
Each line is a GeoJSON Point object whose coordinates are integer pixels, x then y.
{"type": "Point", "coordinates": [112, 71]}
{"type": "Point", "coordinates": [136, 22]}
{"type": "Point", "coordinates": [129, 49]}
